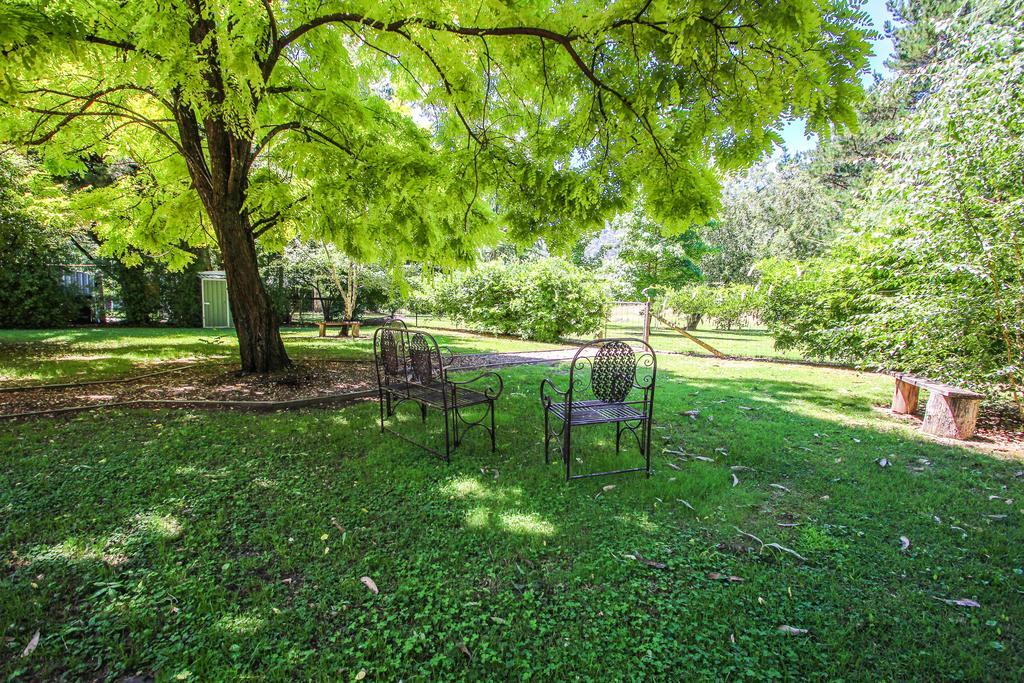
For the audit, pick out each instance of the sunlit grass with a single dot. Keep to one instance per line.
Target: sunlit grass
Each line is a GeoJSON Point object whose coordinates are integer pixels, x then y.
{"type": "Point", "coordinates": [85, 354]}
{"type": "Point", "coordinates": [233, 546]}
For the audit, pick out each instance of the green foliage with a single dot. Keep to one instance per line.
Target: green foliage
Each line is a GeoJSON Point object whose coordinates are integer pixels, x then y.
{"type": "Point", "coordinates": [649, 259]}
{"type": "Point", "coordinates": [784, 212]}
{"type": "Point", "coordinates": [545, 300]}
{"type": "Point", "coordinates": [317, 269]}
{"type": "Point", "coordinates": [932, 278]}
{"type": "Point", "coordinates": [31, 253]}
{"type": "Point", "coordinates": [730, 307]}
{"type": "Point", "coordinates": [814, 307]}
{"type": "Point", "coordinates": [397, 133]}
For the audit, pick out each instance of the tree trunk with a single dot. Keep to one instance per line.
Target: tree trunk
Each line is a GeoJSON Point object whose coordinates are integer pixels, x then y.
{"type": "Point", "coordinates": [693, 320]}
{"type": "Point", "coordinates": [256, 322]}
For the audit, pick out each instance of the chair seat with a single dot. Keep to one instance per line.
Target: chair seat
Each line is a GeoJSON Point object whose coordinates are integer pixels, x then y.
{"type": "Point", "coordinates": [432, 395]}
{"type": "Point", "coordinates": [597, 412]}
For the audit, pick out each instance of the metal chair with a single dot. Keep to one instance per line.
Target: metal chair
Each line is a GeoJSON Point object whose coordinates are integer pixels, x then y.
{"type": "Point", "coordinates": [619, 390]}
{"type": "Point", "coordinates": [410, 367]}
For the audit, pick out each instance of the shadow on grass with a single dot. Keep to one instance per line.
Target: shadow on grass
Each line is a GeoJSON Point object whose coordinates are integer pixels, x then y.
{"type": "Point", "coordinates": [227, 544]}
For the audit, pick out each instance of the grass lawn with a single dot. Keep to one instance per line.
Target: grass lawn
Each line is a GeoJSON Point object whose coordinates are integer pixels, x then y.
{"type": "Point", "coordinates": [79, 354]}
{"type": "Point", "coordinates": [749, 343]}
{"type": "Point", "coordinates": [211, 546]}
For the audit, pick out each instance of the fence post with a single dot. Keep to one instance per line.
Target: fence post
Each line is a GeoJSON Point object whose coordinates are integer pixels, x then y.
{"type": "Point", "coordinates": [647, 320]}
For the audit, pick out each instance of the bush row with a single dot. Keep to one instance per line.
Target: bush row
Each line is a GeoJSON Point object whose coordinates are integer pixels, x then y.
{"type": "Point", "coordinates": [544, 300]}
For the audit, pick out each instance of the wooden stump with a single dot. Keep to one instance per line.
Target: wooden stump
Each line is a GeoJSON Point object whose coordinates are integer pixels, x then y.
{"type": "Point", "coordinates": [952, 417]}
{"type": "Point", "coordinates": [904, 399]}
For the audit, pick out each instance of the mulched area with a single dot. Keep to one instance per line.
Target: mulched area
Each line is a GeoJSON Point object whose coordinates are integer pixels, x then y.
{"type": "Point", "coordinates": [218, 381]}
{"type": "Point", "coordinates": [205, 382]}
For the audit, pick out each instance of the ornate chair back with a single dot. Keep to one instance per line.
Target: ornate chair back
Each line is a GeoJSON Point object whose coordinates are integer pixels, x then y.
{"type": "Point", "coordinates": [403, 356]}
{"type": "Point", "coordinates": [613, 371]}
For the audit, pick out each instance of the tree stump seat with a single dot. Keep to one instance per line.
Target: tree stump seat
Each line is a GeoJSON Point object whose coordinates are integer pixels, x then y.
{"type": "Point", "coordinates": [951, 411]}
{"type": "Point", "coordinates": [353, 324]}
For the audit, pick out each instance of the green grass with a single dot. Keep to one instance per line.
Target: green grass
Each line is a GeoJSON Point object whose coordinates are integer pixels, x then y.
{"type": "Point", "coordinates": [80, 354]}
{"type": "Point", "coordinates": [209, 546]}
{"type": "Point", "coordinates": [749, 343]}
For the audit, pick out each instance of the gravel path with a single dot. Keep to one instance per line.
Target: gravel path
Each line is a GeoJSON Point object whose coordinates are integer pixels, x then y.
{"type": "Point", "coordinates": [470, 361]}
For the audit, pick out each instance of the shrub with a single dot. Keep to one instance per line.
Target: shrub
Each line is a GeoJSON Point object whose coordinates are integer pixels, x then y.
{"type": "Point", "coordinates": [729, 307]}
{"type": "Point", "coordinates": [31, 291]}
{"type": "Point", "coordinates": [544, 300]}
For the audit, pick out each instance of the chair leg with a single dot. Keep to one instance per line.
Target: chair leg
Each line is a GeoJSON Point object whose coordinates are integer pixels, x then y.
{"type": "Point", "coordinates": [494, 445]}
{"type": "Point", "coordinates": [547, 440]}
{"type": "Point", "coordinates": [618, 436]}
{"type": "Point", "coordinates": [423, 412]}
{"type": "Point", "coordinates": [447, 444]}
{"type": "Point", "coordinates": [647, 446]}
{"type": "Point", "coordinates": [381, 397]}
{"type": "Point", "coordinates": [567, 450]}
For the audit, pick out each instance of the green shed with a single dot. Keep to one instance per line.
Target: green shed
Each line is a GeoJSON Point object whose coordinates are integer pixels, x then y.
{"type": "Point", "coordinates": [216, 311]}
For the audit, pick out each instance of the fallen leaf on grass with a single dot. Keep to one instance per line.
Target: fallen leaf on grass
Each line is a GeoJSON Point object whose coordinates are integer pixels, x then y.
{"type": "Point", "coordinates": [685, 503]}
{"type": "Point", "coordinates": [691, 413]}
{"type": "Point", "coordinates": [735, 481]}
{"type": "Point", "coordinates": [741, 468]}
{"type": "Point", "coordinates": [716, 576]}
{"type": "Point", "coordinates": [608, 488]}
{"type": "Point", "coordinates": [787, 524]}
{"type": "Point", "coordinates": [368, 582]}
{"type": "Point", "coordinates": [361, 675]}
{"type": "Point", "coordinates": [746, 408]}
{"type": "Point", "coordinates": [674, 466]}
{"type": "Point", "coordinates": [32, 645]}
{"type": "Point", "coordinates": [649, 563]}
{"type": "Point", "coordinates": [996, 517]}
{"type": "Point", "coordinates": [779, 487]}
{"type": "Point", "coordinates": [792, 630]}
{"type": "Point", "coordinates": [338, 526]}
{"type": "Point", "coordinates": [464, 650]}
{"type": "Point", "coordinates": [498, 620]}
{"type": "Point", "coordinates": [904, 543]}
{"type": "Point", "coordinates": [960, 602]}
{"type": "Point", "coordinates": [883, 462]}
{"type": "Point", "coordinates": [704, 458]}
{"type": "Point", "coordinates": [784, 549]}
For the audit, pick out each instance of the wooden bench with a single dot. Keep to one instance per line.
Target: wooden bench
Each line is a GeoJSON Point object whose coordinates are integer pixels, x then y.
{"type": "Point", "coordinates": [354, 324]}
{"type": "Point", "coordinates": [951, 411]}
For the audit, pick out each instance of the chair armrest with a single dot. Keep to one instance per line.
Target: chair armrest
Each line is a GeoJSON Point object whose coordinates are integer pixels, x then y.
{"type": "Point", "coordinates": [488, 391]}
{"type": "Point", "coordinates": [544, 398]}
{"type": "Point", "coordinates": [446, 355]}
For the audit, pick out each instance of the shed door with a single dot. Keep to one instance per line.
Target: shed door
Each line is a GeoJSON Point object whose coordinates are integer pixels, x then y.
{"type": "Point", "coordinates": [215, 304]}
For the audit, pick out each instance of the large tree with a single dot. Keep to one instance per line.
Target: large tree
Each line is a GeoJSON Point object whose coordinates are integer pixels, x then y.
{"type": "Point", "coordinates": [405, 130]}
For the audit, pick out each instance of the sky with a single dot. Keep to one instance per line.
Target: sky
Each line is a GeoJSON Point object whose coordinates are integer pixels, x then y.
{"type": "Point", "coordinates": [793, 136]}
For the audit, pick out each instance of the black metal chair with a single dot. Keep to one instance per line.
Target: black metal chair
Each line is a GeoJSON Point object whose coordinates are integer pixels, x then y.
{"type": "Point", "coordinates": [410, 367]}
{"type": "Point", "coordinates": [619, 390]}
